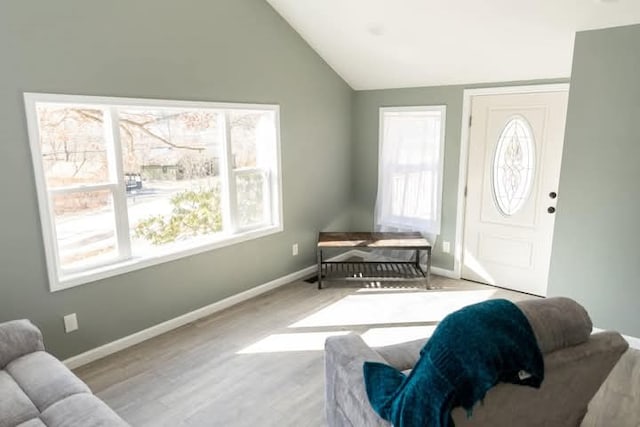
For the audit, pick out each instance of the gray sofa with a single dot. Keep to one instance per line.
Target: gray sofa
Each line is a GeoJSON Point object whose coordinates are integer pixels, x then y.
{"type": "Point", "coordinates": [576, 364]}
{"type": "Point", "coordinates": [37, 390]}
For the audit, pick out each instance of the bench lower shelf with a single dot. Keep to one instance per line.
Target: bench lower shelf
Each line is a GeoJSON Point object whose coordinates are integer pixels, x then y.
{"type": "Point", "coordinates": [374, 271]}
{"type": "Point", "coordinates": [369, 271]}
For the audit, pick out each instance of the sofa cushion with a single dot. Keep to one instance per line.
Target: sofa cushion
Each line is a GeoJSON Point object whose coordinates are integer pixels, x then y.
{"type": "Point", "coordinates": [15, 406]}
{"type": "Point", "coordinates": [44, 379]}
{"type": "Point", "coordinates": [557, 322]}
{"type": "Point", "coordinates": [84, 410]}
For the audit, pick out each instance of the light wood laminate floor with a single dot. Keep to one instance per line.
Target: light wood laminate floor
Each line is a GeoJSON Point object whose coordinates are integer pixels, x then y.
{"type": "Point", "coordinates": [260, 363]}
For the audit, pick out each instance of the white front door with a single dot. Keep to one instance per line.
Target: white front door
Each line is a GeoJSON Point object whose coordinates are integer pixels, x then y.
{"type": "Point", "coordinates": [515, 151]}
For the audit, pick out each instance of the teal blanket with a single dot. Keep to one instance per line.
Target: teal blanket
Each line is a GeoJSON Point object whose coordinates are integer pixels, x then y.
{"type": "Point", "coordinates": [470, 351]}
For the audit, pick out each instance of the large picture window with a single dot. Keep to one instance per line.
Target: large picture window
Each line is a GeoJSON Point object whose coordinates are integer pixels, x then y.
{"type": "Point", "coordinates": [410, 169]}
{"type": "Point", "coordinates": [126, 183]}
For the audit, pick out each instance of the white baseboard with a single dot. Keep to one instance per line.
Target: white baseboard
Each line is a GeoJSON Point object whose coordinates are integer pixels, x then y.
{"type": "Point", "coordinates": [192, 316]}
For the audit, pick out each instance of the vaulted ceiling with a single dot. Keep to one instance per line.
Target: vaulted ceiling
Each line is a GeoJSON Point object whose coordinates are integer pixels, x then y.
{"type": "Point", "coordinates": [376, 44]}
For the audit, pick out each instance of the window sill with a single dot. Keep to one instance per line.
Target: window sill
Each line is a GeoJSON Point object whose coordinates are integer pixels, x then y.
{"type": "Point", "coordinates": [138, 263]}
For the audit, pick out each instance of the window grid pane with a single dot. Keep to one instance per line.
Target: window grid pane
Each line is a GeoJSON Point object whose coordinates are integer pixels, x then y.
{"type": "Point", "coordinates": [251, 188]}
{"type": "Point", "coordinates": [171, 158]}
{"type": "Point", "coordinates": [73, 146]}
{"type": "Point", "coordinates": [85, 228]}
{"type": "Point", "coordinates": [251, 135]}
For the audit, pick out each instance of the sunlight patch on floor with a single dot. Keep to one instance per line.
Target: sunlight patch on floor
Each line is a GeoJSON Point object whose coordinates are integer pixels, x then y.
{"type": "Point", "coordinates": [306, 341]}
{"type": "Point", "coordinates": [393, 308]}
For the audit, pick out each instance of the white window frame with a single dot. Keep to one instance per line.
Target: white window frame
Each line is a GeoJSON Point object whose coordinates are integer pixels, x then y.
{"type": "Point", "coordinates": [117, 186]}
{"type": "Point", "coordinates": [394, 221]}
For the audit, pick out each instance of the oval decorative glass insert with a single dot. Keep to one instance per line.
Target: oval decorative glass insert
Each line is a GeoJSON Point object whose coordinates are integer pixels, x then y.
{"type": "Point", "coordinates": [514, 166]}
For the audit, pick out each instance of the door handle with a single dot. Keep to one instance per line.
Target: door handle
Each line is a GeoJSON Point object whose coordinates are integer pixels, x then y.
{"type": "Point", "coordinates": [551, 209]}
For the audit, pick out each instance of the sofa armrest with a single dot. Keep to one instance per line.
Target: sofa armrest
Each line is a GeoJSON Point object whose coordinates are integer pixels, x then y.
{"type": "Point", "coordinates": [17, 338]}
{"type": "Point", "coordinates": [346, 402]}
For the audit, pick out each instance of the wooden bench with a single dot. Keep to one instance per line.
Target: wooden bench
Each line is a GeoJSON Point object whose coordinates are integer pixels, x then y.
{"type": "Point", "coordinates": [373, 271]}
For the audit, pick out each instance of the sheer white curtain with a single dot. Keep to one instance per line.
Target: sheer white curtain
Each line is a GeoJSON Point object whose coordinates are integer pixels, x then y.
{"type": "Point", "coordinates": [410, 168]}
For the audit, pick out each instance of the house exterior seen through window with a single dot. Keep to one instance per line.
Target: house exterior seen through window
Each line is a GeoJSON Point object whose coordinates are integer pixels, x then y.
{"type": "Point", "coordinates": [127, 183]}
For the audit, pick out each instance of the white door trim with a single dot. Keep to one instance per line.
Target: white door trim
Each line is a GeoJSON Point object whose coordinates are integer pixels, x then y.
{"type": "Point", "coordinates": [464, 152]}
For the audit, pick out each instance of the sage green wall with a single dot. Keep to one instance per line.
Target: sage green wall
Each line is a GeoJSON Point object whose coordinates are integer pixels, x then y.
{"type": "Point", "coordinates": [222, 50]}
{"type": "Point", "coordinates": [364, 175]}
{"type": "Point", "coordinates": [596, 256]}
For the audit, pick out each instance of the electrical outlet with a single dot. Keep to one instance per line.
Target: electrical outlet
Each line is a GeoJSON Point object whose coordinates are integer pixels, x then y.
{"type": "Point", "coordinates": [446, 247]}
{"type": "Point", "coordinates": [70, 322]}
{"type": "Point", "coordinates": [294, 249]}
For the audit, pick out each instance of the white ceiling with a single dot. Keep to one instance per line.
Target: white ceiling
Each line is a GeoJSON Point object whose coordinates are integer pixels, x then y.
{"type": "Point", "coordinates": [375, 44]}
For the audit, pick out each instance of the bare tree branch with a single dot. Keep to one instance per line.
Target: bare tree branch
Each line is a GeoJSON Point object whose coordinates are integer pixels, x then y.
{"type": "Point", "coordinates": [78, 167]}
{"type": "Point", "coordinates": [143, 129]}
{"type": "Point", "coordinates": [158, 137]}
{"type": "Point", "coordinates": [84, 113]}
{"type": "Point", "coordinates": [130, 135]}
{"type": "Point", "coordinates": [59, 122]}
